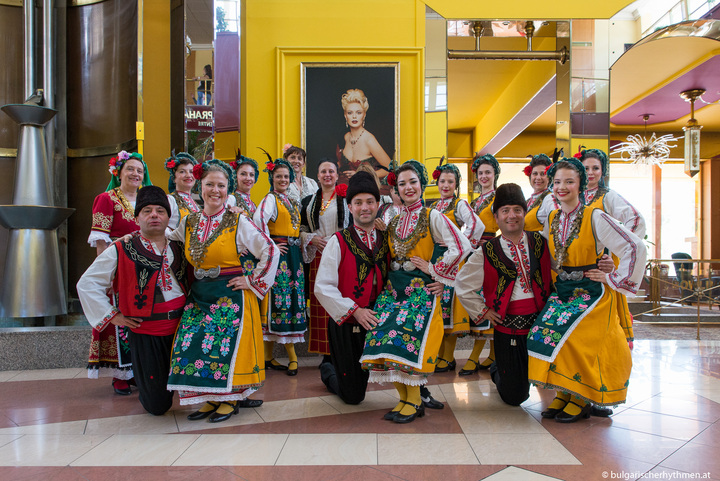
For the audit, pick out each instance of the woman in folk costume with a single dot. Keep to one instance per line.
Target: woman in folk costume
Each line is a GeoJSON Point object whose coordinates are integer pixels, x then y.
{"type": "Point", "coordinates": [246, 175]}
{"type": "Point", "coordinates": [487, 172]}
{"type": "Point", "coordinates": [180, 185]}
{"type": "Point", "coordinates": [576, 345]}
{"type": "Point", "coordinates": [323, 214]}
{"type": "Point", "coordinates": [113, 216]}
{"type": "Point", "coordinates": [598, 195]}
{"type": "Point", "coordinates": [456, 321]}
{"type": "Point", "coordinates": [403, 348]}
{"type": "Point", "coordinates": [283, 309]}
{"type": "Point", "coordinates": [536, 171]}
{"type": "Point", "coordinates": [301, 186]}
{"type": "Point", "coordinates": [217, 353]}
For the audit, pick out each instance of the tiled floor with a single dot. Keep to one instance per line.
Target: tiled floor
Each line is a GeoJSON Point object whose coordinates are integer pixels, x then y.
{"type": "Point", "coordinates": [59, 425]}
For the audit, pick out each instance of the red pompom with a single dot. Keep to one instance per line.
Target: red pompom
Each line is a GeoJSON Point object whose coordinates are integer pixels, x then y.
{"type": "Point", "coordinates": [341, 190]}
{"type": "Point", "coordinates": [436, 174]}
{"type": "Point", "coordinates": [171, 164]}
{"type": "Point", "coordinates": [197, 171]}
{"type": "Point", "coordinates": [528, 170]}
{"type": "Point", "coordinates": [578, 155]}
{"type": "Point", "coordinates": [391, 179]}
{"type": "Point", "coordinates": [234, 164]}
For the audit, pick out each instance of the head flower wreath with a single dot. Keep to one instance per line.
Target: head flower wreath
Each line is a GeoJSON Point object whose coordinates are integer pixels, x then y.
{"type": "Point", "coordinates": [452, 168]}
{"type": "Point", "coordinates": [116, 164]}
{"type": "Point", "coordinates": [540, 159]}
{"type": "Point", "coordinates": [414, 165]}
{"type": "Point", "coordinates": [602, 157]}
{"type": "Point", "coordinates": [271, 165]}
{"type": "Point", "coordinates": [286, 147]}
{"type": "Point", "coordinates": [173, 162]}
{"type": "Point", "coordinates": [199, 170]}
{"type": "Point", "coordinates": [241, 160]}
{"type": "Point", "coordinates": [575, 165]}
{"type": "Point", "coordinates": [486, 159]}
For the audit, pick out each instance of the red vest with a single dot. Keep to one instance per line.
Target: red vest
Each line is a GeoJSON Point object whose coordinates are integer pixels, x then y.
{"type": "Point", "coordinates": [137, 272]}
{"type": "Point", "coordinates": [359, 266]}
{"type": "Point", "coordinates": [501, 273]}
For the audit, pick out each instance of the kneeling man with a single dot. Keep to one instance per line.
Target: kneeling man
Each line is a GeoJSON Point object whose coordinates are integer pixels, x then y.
{"type": "Point", "coordinates": [147, 275]}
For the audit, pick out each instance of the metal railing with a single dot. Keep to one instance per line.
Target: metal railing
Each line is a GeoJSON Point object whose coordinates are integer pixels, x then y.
{"type": "Point", "coordinates": [695, 283]}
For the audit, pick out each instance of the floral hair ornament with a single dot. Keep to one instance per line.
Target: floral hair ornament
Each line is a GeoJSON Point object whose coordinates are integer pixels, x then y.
{"type": "Point", "coordinates": [447, 168]}
{"type": "Point", "coordinates": [536, 160]}
{"type": "Point", "coordinates": [571, 163]}
{"type": "Point", "coordinates": [200, 169]}
{"type": "Point", "coordinates": [286, 147]}
{"type": "Point", "coordinates": [118, 162]}
{"type": "Point", "coordinates": [528, 170]}
{"type": "Point", "coordinates": [599, 155]}
{"type": "Point", "coordinates": [391, 179]}
{"type": "Point", "coordinates": [175, 161]}
{"type": "Point", "coordinates": [241, 160]}
{"type": "Point", "coordinates": [341, 190]}
{"type": "Point", "coordinates": [271, 165]}
{"type": "Point", "coordinates": [415, 166]}
{"type": "Point", "coordinates": [579, 153]}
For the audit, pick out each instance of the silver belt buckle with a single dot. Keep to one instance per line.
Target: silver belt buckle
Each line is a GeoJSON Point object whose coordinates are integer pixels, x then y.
{"type": "Point", "coordinates": [571, 276]}
{"type": "Point", "coordinates": [210, 273]}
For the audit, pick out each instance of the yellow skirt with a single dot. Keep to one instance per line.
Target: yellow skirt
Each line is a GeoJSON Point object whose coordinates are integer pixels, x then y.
{"type": "Point", "coordinates": [250, 358]}
{"type": "Point", "coordinates": [594, 364]}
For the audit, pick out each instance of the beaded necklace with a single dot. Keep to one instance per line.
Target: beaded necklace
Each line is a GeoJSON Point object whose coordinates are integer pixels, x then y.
{"type": "Point", "coordinates": [561, 247]}
{"type": "Point", "coordinates": [324, 205]}
{"type": "Point", "coordinates": [404, 245]}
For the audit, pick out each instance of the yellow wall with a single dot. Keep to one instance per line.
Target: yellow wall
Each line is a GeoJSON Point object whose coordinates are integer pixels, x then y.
{"type": "Point", "coordinates": [278, 35]}
{"type": "Point", "coordinates": [460, 144]}
{"type": "Point", "coordinates": [435, 134]}
{"type": "Point", "coordinates": [156, 88]}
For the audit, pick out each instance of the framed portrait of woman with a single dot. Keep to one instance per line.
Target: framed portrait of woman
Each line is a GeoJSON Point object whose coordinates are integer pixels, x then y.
{"type": "Point", "coordinates": [350, 113]}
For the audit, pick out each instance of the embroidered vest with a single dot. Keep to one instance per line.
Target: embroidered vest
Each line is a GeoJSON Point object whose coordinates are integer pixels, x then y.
{"type": "Point", "coordinates": [501, 273]}
{"type": "Point", "coordinates": [486, 216]}
{"type": "Point", "coordinates": [137, 273]}
{"type": "Point", "coordinates": [532, 224]}
{"type": "Point", "coordinates": [359, 266]}
{"type": "Point", "coordinates": [449, 212]}
{"type": "Point", "coordinates": [183, 207]}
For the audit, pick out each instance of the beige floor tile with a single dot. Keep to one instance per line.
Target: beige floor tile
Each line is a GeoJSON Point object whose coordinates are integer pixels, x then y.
{"type": "Point", "coordinates": [711, 394]}
{"type": "Point", "coordinates": [69, 427]}
{"type": "Point", "coordinates": [8, 375]}
{"type": "Point", "coordinates": [8, 438]}
{"type": "Point", "coordinates": [329, 449]}
{"type": "Point", "coordinates": [295, 409]}
{"type": "Point", "coordinates": [47, 449]}
{"type": "Point", "coordinates": [512, 473]}
{"type": "Point", "coordinates": [478, 401]}
{"type": "Point", "coordinates": [482, 385]}
{"type": "Point", "coordinates": [233, 450]}
{"type": "Point", "coordinates": [133, 424]}
{"type": "Point", "coordinates": [658, 424]}
{"type": "Point", "coordinates": [436, 392]}
{"type": "Point", "coordinates": [137, 450]}
{"type": "Point", "coordinates": [48, 374]}
{"type": "Point", "coordinates": [498, 422]}
{"type": "Point", "coordinates": [536, 449]}
{"type": "Point", "coordinates": [374, 400]}
{"type": "Point", "coordinates": [243, 417]}
{"type": "Point", "coordinates": [425, 449]}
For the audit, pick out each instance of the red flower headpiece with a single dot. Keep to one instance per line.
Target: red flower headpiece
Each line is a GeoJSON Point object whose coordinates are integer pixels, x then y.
{"type": "Point", "coordinates": [198, 171]}
{"type": "Point", "coordinates": [170, 164]}
{"type": "Point", "coordinates": [234, 164]}
{"type": "Point", "coordinates": [436, 174]}
{"type": "Point", "coordinates": [528, 170]}
{"type": "Point", "coordinates": [341, 190]}
{"type": "Point", "coordinates": [548, 168]}
{"type": "Point", "coordinates": [270, 166]}
{"type": "Point", "coordinates": [579, 152]}
{"type": "Point", "coordinates": [391, 179]}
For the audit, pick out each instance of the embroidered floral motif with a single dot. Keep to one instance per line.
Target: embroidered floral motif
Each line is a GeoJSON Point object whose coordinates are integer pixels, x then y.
{"type": "Point", "coordinates": [122, 204]}
{"type": "Point", "coordinates": [204, 231]}
{"type": "Point", "coordinates": [101, 222]}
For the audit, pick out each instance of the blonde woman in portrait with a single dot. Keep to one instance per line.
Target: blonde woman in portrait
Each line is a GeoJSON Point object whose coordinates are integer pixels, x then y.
{"type": "Point", "coordinates": [361, 147]}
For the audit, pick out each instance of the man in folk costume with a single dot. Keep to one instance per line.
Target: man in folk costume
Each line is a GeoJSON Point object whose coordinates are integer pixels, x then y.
{"type": "Point", "coordinates": [513, 271]}
{"type": "Point", "coordinates": [149, 275]}
{"type": "Point", "coordinates": [351, 275]}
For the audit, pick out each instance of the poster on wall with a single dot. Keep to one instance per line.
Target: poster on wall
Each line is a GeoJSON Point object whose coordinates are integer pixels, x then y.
{"type": "Point", "coordinates": [350, 114]}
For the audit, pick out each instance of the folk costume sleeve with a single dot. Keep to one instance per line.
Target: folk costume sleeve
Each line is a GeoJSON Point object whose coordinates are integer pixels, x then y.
{"type": "Point", "coordinates": [326, 284]}
{"type": "Point", "coordinates": [458, 247]}
{"type": "Point", "coordinates": [251, 237]}
{"type": "Point", "coordinates": [266, 212]}
{"type": "Point", "coordinates": [548, 205]}
{"type": "Point", "coordinates": [102, 219]}
{"type": "Point", "coordinates": [179, 233]}
{"type": "Point", "coordinates": [627, 246]}
{"type": "Point", "coordinates": [474, 227]}
{"type": "Point", "coordinates": [468, 284]}
{"type": "Point", "coordinates": [174, 215]}
{"type": "Point", "coordinates": [92, 289]}
{"type": "Point", "coordinates": [619, 208]}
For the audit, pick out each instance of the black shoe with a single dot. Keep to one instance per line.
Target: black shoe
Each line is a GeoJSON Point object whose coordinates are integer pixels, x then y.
{"type": "Point", "coordinates": [484, 366]}
{"type": "Point", "coordinates": [218, 418]}
{"type": "Point", "coordinates": [550, 413]}
{"type": "Point", "coordinates": [449, 366]}
{"type": "Point", "coordinates": [429, 401]}
{"type": "Point", "coordinates": [390, 415]}
{"type": "Point", "coordinates": [325, 359]}
{"type": "Point", "coordinates": [600, 412]}
{"type": "Point", "coordinates": [275, 367]}
{"type": "Point", "coordinates": [404, 419]}
{"type": "Point", "coordinates": [563, 417]}
{"type": "Point", "coordinates": [467, 372]}
{"type": "Point", "coordinates": [249, 403]}
{"type": "Point", "coordinates": [292, 372]}
{"type": "Point", "coordinates": [121, 387]}
{"type": "Point", "coordinates": [198, 415]}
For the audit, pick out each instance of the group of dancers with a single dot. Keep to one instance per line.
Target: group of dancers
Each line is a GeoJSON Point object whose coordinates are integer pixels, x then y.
{"type": "Point", "coordinates": [192, 297]}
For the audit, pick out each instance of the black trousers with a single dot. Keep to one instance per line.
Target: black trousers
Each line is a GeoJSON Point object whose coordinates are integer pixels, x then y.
{"type": "Point", "coordinates": [510, 370]}
{"type": "Point", "coordinates": [344, 376]}
{"type": "Point", "coordinates": [151, 367]}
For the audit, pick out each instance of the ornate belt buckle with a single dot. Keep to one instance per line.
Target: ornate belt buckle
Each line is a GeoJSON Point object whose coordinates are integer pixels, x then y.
{"type": "Point", "coordinates": [408, 266]}
{"type": "Point", "coordinates": [210, 273]}
{"type": "Point", "coordinates": [394, 265]}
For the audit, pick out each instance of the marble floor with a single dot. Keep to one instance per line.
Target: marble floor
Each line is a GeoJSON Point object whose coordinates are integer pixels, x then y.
{"type": "Point", "coordinates": [58, 425]}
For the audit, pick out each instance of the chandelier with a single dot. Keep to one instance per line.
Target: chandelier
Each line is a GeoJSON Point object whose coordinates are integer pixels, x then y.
{"type": "Point", "coordinates": [639, 149]}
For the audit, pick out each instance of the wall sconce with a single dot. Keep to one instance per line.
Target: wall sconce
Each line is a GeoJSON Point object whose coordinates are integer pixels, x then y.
{"type": "Point", "coordinates": [692, 134]}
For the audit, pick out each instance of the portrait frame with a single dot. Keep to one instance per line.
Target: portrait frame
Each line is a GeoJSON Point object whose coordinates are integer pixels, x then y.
{"type": "Point", "coordinates": [322, 85]}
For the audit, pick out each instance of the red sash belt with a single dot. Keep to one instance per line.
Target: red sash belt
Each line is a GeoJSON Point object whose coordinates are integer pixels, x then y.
{"type": "Point", "coordinates": [163, 327]}
{"type": "Point", "coordinates": [522, 307]}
